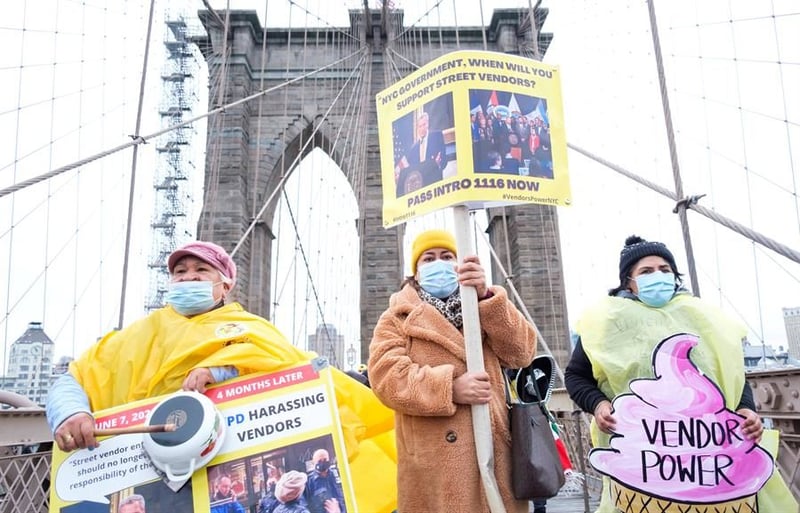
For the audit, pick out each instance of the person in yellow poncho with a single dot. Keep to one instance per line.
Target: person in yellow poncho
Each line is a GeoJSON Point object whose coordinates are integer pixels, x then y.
{"type": "Point", "coordinates": [198, 340]}
{"type": "Point", "coordinates": [617, 337]}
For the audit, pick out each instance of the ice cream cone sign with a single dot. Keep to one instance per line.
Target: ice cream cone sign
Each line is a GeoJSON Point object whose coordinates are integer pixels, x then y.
{"type": "Point", "coordinates": [677, 443]}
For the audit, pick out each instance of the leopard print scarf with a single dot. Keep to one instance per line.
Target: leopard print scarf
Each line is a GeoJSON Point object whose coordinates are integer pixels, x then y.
{"type": "Point", "coordinates": [450, 307]}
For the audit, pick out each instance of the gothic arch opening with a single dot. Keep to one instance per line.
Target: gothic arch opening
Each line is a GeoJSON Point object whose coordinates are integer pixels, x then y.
{"type": "Point", "coordinates": [315, 261]}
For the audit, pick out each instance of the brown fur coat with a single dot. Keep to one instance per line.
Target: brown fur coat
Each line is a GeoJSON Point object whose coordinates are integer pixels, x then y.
{"type": "Point", "coordinates": [415, 354]}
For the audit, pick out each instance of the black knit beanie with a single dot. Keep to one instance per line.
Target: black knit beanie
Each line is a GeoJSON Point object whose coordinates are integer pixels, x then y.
{"type": "Point", "coordinates": [637, 248]}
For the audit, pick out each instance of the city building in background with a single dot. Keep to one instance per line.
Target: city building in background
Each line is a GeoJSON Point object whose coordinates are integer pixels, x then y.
{"type": "Point", "coordinates": [327, 342]}
{"type": "Point", "coordinates": [764, 356]}
{"type": "Point", "coordinates": [791, 320]}
{"type": "Point", "coordinates": [30, 364]}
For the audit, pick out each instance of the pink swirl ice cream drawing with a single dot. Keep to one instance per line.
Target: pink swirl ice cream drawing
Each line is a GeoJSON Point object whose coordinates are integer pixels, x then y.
{"type": "Point", "coordinates": [675, 439]}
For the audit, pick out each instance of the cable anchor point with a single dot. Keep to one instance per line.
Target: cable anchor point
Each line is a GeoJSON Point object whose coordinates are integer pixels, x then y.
{"type": "Point", "coordinates": [687, 202]}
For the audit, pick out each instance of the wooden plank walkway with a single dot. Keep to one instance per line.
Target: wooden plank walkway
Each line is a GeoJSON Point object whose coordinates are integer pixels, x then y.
{"type": "Point", "coordinates": [571, 504]}
{"type": "Point", "coordinates": [570, 498]}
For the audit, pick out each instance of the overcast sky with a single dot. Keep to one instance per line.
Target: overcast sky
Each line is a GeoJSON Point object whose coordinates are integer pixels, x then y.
{"type": "Point", "coordinates": [71, 84]}
{"type": "Point", "coordinates": [613, 108]}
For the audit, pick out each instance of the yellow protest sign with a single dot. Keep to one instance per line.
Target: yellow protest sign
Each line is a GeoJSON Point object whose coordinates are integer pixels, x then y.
{"type": "Point", "coordinates": [472, 128]}
{"type": "Point", "coordinates": [281, 443]}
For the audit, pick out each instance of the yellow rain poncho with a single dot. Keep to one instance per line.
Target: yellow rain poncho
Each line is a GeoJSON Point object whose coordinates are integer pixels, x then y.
{"type": "Point", "coordinates": [152, 356]}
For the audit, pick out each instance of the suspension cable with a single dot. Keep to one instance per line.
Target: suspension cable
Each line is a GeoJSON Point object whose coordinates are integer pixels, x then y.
{"type": "Point", "coordinates": [673, 147]}
{"type": "Point", "coordinates": [691, 202]}
{"type": "Point", "coordinates": [413, 25]}
{"type": "Point", "coordinates": [509, 281]}
{"type": "Point", "coordinates": [291, 168]}
{"type": "Point", "coordinates": [214, 163]}
{"type": "Point", "coordinates": [324, 22]}
{"type": "Point", "coordinates": [134, 159]}
{"type": "Point", "coordinates": [141, 139]}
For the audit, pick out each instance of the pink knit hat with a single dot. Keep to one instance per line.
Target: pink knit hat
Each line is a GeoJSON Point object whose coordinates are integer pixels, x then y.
{"type": "Point", "coordinates": [290, 486]}
{"type": "Point", "coordinates": [207, 252]}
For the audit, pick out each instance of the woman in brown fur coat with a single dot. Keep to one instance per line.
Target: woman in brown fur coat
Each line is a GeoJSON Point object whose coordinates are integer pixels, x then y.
{"type": "Point", "coordinates": [417, 367]}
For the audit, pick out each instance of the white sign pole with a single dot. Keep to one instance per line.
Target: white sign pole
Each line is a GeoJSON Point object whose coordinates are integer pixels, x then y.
{"type": "Point", "coordinates": [481, 423]}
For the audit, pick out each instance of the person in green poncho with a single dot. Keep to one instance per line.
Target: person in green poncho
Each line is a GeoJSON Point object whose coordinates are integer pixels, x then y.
{"type": "Point", "coordinates": [617, 337]}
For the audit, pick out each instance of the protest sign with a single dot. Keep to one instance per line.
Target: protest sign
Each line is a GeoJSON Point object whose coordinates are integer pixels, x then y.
{"type": "Point", "coordinates": [680, 451]}
{"type": "Point", "coordinates": [472, 128]}
{"type": "Point", "coordinates": [277, 424]}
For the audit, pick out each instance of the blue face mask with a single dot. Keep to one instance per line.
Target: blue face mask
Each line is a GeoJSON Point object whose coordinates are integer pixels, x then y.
{"type": "Point", "coordinates": [655, 289]}
{"type": "Point", "coordinates": [191, 297]}
{"type": "Point", "coordinates": [438, 278]}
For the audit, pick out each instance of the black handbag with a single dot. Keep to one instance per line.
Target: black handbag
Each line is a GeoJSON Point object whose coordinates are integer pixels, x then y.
{"type": "Point", "coordinates": [536, 471]}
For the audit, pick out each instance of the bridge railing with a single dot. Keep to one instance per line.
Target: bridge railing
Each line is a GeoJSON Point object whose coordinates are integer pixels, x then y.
{"type": "Point", "coordinates": [25, 481]}
{"type": "Point", "coordinates": [777, 395]}
{"type": "Point", "coordinates": [25, 441]}
{"type": "Point", "coordinates": [574, 431]}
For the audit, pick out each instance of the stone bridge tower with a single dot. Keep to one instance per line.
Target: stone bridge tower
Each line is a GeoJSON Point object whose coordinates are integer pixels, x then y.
{"type": "Point", "coordinates": [525, 238]}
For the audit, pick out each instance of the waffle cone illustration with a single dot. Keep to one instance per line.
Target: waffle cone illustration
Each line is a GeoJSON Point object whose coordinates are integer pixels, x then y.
{"type": "Point", "coordinates": [631, 501]}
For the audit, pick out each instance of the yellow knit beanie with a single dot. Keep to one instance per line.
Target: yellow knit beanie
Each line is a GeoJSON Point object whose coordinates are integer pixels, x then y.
{"type": "Point", "coordinates": [428, 240]}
